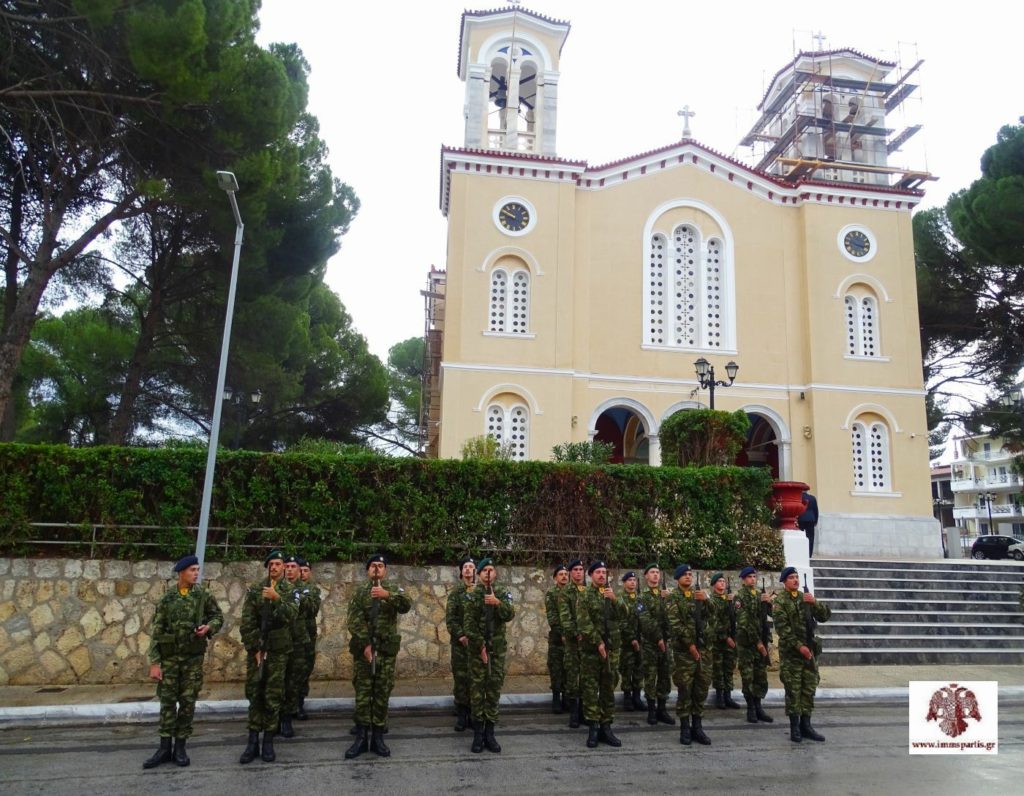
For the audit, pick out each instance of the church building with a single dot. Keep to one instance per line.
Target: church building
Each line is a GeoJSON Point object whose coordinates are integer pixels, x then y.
{"type": "Point", "coordinates": [580, 301]}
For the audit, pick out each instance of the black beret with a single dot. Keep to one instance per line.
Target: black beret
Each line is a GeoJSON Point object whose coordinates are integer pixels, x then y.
{"type": "Point", "coordinates": [628, 575]}
{"type": "Point", "coordinates": [576, 562]}
{"type": "Point", "coordinates": [302, 562]}
{"type": "Point", "coordinates": [786, 573]}
{"type": "Point", "coordinates": [466, 560]}
{"type": "Point", "coordinates": [681, 570]}
{"type": "Point", "coordinates": [275, 553]}
{"type": "Point", "coordinates": [747, 571]}
{"type": "Point", "coordinates": [376, 559]}
{"type": "Point", "coordinates": [596, 565]}
{"type": "Point", "coordinates": [185, 563]}
{"type": "Point", "coordinates": [291, 560]}
{"type": "Point", "coordinates": [558, 569]}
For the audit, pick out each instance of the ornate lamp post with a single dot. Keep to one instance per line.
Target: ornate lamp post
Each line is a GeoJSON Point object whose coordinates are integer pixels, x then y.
{"type": "Point", "coordinates": [988, 497]}
{"type": "Point", "coordinates": [242, 407]}
{"type": "Point", "coordinates": [706, 377]}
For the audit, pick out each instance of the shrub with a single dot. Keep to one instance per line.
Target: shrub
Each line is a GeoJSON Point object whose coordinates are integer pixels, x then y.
{"type": "Point", "coordinates": [702, 437]}
{"type": "Point", "coordinates": [592, 452]}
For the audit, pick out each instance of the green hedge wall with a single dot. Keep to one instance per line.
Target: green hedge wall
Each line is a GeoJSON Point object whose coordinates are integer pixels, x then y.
{"type": "Point", "coordinates": [339, 507]}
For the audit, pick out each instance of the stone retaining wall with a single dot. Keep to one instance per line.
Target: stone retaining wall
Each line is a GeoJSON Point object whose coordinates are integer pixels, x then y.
{"type": "Point", "coordinates": [65, 621]}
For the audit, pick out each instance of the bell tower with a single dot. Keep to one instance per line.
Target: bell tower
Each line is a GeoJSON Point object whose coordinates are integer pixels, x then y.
{"type": "Point", "coordinates": [508, 59]}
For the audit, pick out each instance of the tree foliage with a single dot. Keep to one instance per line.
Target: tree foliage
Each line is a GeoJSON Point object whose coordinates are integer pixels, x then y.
{"type": "Point", "coordinates": [702, 437]}
{"type": "Point", "coordinates": [592, 452]}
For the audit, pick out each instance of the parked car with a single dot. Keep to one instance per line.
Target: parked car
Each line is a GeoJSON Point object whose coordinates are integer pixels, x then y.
{"type": "Point", "coordinates": [993, 546]}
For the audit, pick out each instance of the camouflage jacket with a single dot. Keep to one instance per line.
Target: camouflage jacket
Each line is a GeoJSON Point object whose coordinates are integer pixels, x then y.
{"type": "Point", "coordinates": [722, 614]}
{"type": "Point", "coordinates": [629, 626]}
{"type": "Point", "coordinates": [551, 609]}
{"type": "Point", "coordinates": [312, 596]}
{"type": "Point", "coordinates": [455, 610]}
{"type": "Point", "coordinates": [682, 619]}
{"type": "Point", "coordinates": [280, 615]}
{"type": "Point", "coordinates": [307, 611]}
{"type": "Point", "coordinates": [748, 606]}
{"type": "Point", "coordinates": [652, 610]}
{"type": "Point", "coordinates": [174, 623]}
{"type": "Point", "coordinates": [790, 613]}
{"type": "Point", "coordinates": [599, 619]}
{"type": "Point", "coordinates": [568, 600]}
{"type": "Point", "coordinates": [486, 623]}
{"type": "Point", "coordinates": [381, 630]}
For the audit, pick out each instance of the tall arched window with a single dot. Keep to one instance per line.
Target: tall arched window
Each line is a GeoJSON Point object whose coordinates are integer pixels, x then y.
{"type": "Point", "coordinates": [508, 422]}
{"type": "Point", "coordinates": [863, 337]}
{"type": "Point", "coordinates": [509, 302]}
{"type": "Point", "coordinates": [870, 449]}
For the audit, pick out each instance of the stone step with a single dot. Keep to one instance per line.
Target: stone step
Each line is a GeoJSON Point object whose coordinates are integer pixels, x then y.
{"type": "Point", "coordinates": [869, 604]}
{"type": "Point", "coordinates": [944, 566]}
{"type": "Point", "coordinates": [943, 629]}
{"type": "Point", "coordinates": [917, 657]}
{"type": "Point", "coordinates": [944, 617]}
{"type": "Point", "coordinates": [917, 641]}
{"type": "Point", "coordinates": [913, 596]}
{"type": "Point", "coordinates": [912, 578]}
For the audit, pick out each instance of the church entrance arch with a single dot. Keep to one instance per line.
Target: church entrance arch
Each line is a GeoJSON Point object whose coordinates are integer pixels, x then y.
{"type": "Point", "coordinates": [767, 443]}
{"type": "Point", "coordinates": [625, 426]}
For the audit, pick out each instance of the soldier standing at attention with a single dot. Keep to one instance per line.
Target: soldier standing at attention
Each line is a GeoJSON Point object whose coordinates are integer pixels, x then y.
{"type": "Point", "coordinates": [567, 600]}
{"type": "Point", "coordinates": [373, 626]}
{"type": "Point", "coordinates": [310, 593]}
{"type": "Point", "coordinates": [268, 611]}
{"type": "Point", "coordinates": [295, 675]}
{"type": "Point", "coordinates": [556, 647]}
{"type": "Point", "coordinates": [599, 617]}
{"type": "Point", "coordinates": [724, 643]}
{"type": "Point", "coordinates": [630, 665]}
{"type": "Point", "coordinates": [796, 616]}
{"type": "Point", "coordinates": [454, 619]}
{"type": "Point", "coordinates": [487, 612]}
{"type": "Point", "coordinates": [185, 619]}
{"type": "Point", "coordinates": [753, 635]}
{"type": "Point", "coordinates": [687, 615]}
{"type": "Point", "coordinates": [656, 652]}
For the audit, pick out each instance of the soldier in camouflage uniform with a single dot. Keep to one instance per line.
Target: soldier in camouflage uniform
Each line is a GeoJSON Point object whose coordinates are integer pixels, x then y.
{"type": "Point", "coordinates": [656, 650]}
{"type": "Point", "coordinates": [723, 643]}
{"type": "Point", "coordinates": [310, 592]}
{"type": "Point", "coordinates": [185, 619]}
{"type": "Point", "coordinates": [599, 615]}
{"type": "Point", "coordinates": [268, 611]}
{"type": "Point", "coordinates": [631, 669]}
{"type": "Point", "coordinates": [795, 615]}
{"type": "Point", "coordinates": [751, 607]}
{"type": "Point", "coordinates": [688, 618]}
{"type": "Point", "coordinates": [373, 625]}
{"type": "Point", "coordinates": [556, 647]}
{"type": "Point", "coordinates": [454, 619]}
{"type": "Point", "coordinates": [295, 675]}
{"type": "Point", "coordinates": [488, 610]}
{"type": "Point", "coordinates": [567, 600]}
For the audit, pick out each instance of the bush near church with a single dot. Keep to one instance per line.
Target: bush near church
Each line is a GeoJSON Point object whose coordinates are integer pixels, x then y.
{"type": "Point", "coordinates": [339, 507]}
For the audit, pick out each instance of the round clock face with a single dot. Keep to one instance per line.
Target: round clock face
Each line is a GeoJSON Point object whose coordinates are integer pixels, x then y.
{"type": "Point", "coordinates": [514, 217]}
{"type": "Point", "coordinates": [857, 244]}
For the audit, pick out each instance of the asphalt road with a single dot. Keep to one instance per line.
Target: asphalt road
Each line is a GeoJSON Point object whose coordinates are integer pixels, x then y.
{"type": "Point", "coordinates": [866, 753]}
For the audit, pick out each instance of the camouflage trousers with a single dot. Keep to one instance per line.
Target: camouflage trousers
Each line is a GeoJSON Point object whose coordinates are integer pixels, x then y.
{"type": "Point", "coordinates": [631, 668]}
{"type": "Point", "coordinates": [657, 671]}
{"type": "Point", "coordinates": [571, 668]}
{"type": "Point", "coordinates": [485, 686]}
{"type": "Point", "coordinates": [264, 688]}
{"type": "Point", "coordinates": [177, 692]}
{"type": "Point", "coordinates": [800, 679]}
{"type": "Point", "coordinates": [753, 672]}
{"type": "Point", "coordinates": [725, 665]}
{"type": "Point", "coordinates": [373, 691]}
{"type": "Point", "coordinates": [296, 677]}
{"type": "Point", "coordinates": [460, 673]}
{"type": "Point", "coordinates": [692, 679]}
{"type": "Point", "coordinates": [310, 663]}
{"type": "Point", "coordinates": [556, 662]}
{"type": "Point", "coordinates": [598, 678]}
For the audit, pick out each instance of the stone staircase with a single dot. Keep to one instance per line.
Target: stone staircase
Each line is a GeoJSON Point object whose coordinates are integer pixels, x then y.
{"type": "Point", "coordinates": [946, 612]}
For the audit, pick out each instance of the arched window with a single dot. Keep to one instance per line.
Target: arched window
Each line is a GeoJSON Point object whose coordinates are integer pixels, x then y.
{"type": "Point", "coordinates": [508, 422]}
{"type": "Point", "coordinates": [509, 304]}
{"type": "Point", "coordinates": [870, 449]}
{"type": "Point", "coordinates": [862, 328]}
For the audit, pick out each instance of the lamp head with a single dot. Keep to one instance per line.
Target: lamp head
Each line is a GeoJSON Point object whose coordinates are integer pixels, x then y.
{"type": "Point", "coordinates": [256, 396]}
{"type": "Point", "coordinates": [732, 369]}
{"type": "Point", "coordinates": [702, 366]}
{"type": "Point", "coordinates": [226, 181]}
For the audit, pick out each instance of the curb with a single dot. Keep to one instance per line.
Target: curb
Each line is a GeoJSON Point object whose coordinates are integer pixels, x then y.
{"type": "Point", "coordinates": [138, 712]}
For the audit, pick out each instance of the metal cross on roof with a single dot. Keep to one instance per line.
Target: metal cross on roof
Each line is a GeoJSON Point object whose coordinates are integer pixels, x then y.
{"type": "Point", "coordinates": [819, 38]}
{"type": "Point", "coordinates": [687, 114]}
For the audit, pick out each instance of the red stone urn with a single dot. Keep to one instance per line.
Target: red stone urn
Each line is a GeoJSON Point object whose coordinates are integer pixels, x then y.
{"type": "Point", "coordinates": [786, 502]}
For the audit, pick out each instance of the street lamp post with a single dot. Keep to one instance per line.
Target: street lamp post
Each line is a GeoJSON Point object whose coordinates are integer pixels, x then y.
{"type": "Point", "coordinates": [226, 182]}
{"type": "Point", "coordinates": [988, 497]}
{"type": "Point", "coordinates": [242, 407]}
{"type": "Point", "coordinates": [706, 376]}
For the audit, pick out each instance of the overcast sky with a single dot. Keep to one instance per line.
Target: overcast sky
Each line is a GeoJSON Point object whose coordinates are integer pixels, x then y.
{"type": "Point", "coordinates": [385, 88]}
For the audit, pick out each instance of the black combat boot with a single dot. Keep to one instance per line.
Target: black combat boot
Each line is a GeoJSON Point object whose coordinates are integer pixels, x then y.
{"type": "Point", "coordinates": [163, 755]}
{"type": "Point", "coordinates": [252, 748]}
{"type": "Point", "coordinates": [729, 701]}
{"type": "Point", "coordinates": [361, 744]}
{"type": "Point", "coordinates": [627, 700]}
{"type": "Point", "coordinates": [807, 731]}
{"type": "Point", "coordinates": [300, 714]}
{"type": "Point", "coordinates": [761, 715]}
{"type": "Point", "coordinates": [575, 708]}
{"type": "Point", "coordinates": [377, 745]}
{"type": "Point", "coordinates": [593, 735]}
{"type": "Point", "coordinates": [489, 740]}
{"type": "Point", "coordinates": [287, 731]}
{"type": "Point", "coordinates": [267, 752]}
{"type": "Point", "coordinates": [684, 731]}
{"type": "Point", "coordinates": [605, 734]}
{"type": "Point", "coordinates": [662, 713]}
{"type": "Point", "coordinates": [556, 702]}
{"type": "Point", "coordinates": [478, 737]}
{"type": "Point", "coordinates": [461, 718]}
{"type": "Point", "coordinates": [652, 712]}
{"type": "Point", "coordinates": [180, 758]}
{"type": "Point", "coordinates": [751, 710]}
{"type": "Point", "coordinates": [719, 701]}
{"type": "Point", "coordinates": [794, 729]}
{"type": "Point", "coordinates": [698, 732]}
{"type": "Point", "coordinates": [638, 701]}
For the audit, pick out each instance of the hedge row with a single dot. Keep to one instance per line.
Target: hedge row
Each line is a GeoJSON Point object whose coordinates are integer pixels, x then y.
{"type": "Point", "coordinates": [338, 507]}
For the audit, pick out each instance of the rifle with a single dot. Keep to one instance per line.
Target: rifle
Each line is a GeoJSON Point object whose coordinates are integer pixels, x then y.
{"type": "Point", "coordinates": [264, 631]}
{"type": "Point", "coordinates": [766, 630]}
{"type": "Point", "coordinates": [374, 614]}
{"type": "Point", "coordinates": [489, 628]}
{"type": "Point", "coordinates": [698, 624]}
{"type": "Point", "coordinates": [732, 610]}
{"type": "Point", "coordinates": [810, 623]}
{"type": "Point", "coordinates": [606, 635]}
